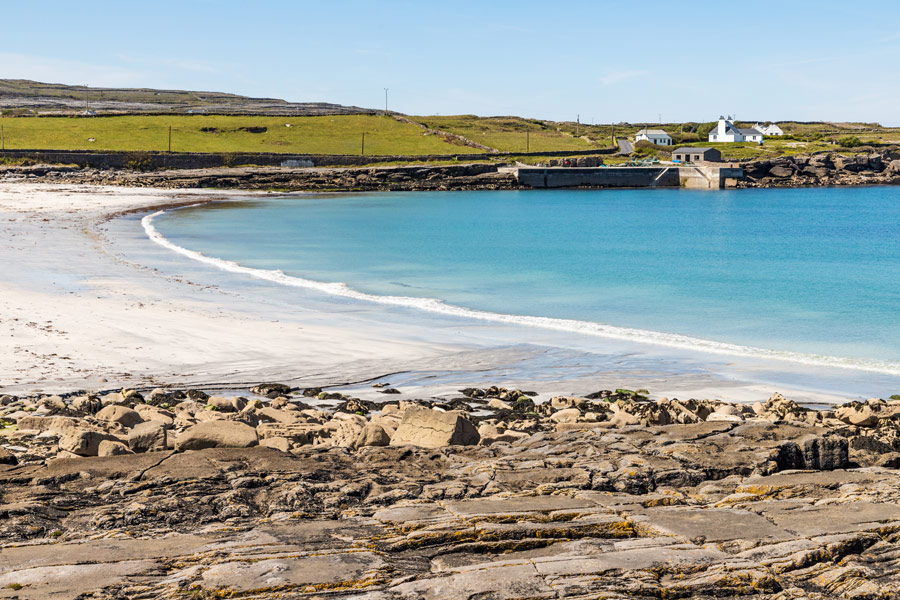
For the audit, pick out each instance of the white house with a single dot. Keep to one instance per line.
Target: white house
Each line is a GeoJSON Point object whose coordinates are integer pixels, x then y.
{"type": "Point", "coordinates": [770, 129]}
{"type": "Point", "coordinates": [725, 131]}
{"type": "Point", "coordinates": [654, 136]}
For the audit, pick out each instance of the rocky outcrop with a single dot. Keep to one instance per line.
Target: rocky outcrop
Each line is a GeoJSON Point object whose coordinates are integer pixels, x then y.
{"type": "Point", "coordinates": [827, 168]}
{"type": "Point", "coordinates": [569, 497]}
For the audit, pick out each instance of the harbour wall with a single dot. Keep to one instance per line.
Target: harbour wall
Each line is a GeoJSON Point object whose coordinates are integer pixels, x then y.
{"type": "Point", "coordinates": [697, 177]}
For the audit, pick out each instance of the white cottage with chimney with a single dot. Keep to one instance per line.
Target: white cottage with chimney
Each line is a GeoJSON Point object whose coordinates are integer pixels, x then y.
{"type": "Point", "coordinates": [725, 131]}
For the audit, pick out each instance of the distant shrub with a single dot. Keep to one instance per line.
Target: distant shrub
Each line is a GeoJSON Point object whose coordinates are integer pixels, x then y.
{"type": "Point", "coordinates": [684, 138]}
{"type": "Point", "coordinates": [646, 145]}
{"type": "Point", "coordinates": [849, 141]}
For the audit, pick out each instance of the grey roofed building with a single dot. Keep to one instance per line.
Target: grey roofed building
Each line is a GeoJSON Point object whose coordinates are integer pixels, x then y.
{"type": "Point", "coordinates": [696, 155]}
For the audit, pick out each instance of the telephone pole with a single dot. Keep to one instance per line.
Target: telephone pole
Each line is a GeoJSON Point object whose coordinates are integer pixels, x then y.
{"type": "Point", "coordinates": [385, 101]}
{"type": "Point", "coordinates": [170, 139]}
{"type": "Point", "coordinates": [362, 150]}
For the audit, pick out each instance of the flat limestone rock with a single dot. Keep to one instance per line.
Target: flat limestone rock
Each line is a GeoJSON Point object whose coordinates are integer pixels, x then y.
{"type": "Point", "coordinates": [429, 428]}
{"type": "Point", "coordinates": [498, 582]}
{"type": "Point", "coordinates": [523, 504]}
{"type": "Point", "coordinates": [350, 569]}
{"type": "Point", "coordinates": [641, 558]}
{"type": "Point", "coordinates": [834, 518]}
{"type": "Point", "coordinates": [710, 525]}
{"type": "Point", "coordinates": [59, 581]}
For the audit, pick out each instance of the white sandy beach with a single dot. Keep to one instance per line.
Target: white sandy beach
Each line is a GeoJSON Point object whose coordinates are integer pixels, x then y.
{"type": "Point", "coordinates": [90, 303]}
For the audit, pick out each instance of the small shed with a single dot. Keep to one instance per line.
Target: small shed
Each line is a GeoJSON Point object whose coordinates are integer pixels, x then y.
{"type": "Point", "coordinates": [696, 155]}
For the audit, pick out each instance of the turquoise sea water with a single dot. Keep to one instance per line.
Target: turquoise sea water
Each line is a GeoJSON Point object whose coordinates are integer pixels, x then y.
{"type": "Point", "coordinates": [806, 271]}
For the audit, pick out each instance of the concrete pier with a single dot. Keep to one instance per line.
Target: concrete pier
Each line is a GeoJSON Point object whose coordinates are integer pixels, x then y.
{"type": "Point", "coordinates": [690, 176]}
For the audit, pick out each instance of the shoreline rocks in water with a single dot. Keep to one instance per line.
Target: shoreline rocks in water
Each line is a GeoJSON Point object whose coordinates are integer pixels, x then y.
{"type": "Point", "coordinates": [824, 169]}
{"type": "Point", "coordinates": [498, 494]}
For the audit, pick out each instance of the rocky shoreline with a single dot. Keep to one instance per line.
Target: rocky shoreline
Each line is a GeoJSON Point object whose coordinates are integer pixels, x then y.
{"type": "Point", "coordinates": [822, 169]}
{"type": "Point", "coordinates": [403, 178]}
{"type": "Point", "coordinates": [495, 493]}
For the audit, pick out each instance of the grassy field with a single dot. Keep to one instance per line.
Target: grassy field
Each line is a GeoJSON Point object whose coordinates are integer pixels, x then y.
{"type": "Point", "coordinates": [342, 134]}
{"type": "Point", "coordinates": [337, 134]}
{"type": "Point", "coordinates": [514, 134]}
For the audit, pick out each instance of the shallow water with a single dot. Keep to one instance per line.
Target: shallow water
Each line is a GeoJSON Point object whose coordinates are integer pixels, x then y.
{"type": "Point", "coordinates": [805, 273]}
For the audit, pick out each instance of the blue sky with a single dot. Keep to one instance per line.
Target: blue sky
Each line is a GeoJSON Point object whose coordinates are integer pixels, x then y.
{"type": "Point", "coordinates": [603, 60]}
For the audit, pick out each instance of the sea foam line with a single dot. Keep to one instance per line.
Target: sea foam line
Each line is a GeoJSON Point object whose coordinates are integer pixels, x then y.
{"type": "Point", "coordinates": [435, 305]}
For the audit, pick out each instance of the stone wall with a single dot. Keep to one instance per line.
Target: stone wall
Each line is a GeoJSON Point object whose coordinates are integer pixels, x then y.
{"type": "Point", "coordinates": [151, 161]}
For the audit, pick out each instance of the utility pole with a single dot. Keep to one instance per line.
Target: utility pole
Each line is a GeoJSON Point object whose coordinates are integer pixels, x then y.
{"type": "Point", "coordinates": [613, 135]}
{"type": "Point", "coordinates": [385, 101]}
{"type": "Point", "coordinates": [2, 139]}
{"type": "Point", "coordinates": [87, 103]}
{"type": "Point", "coordinates": [577, 123]}
{"type": "Point", "coordinates": [362, 150]}
{"type": "Point", "coordinates": [170, 139]}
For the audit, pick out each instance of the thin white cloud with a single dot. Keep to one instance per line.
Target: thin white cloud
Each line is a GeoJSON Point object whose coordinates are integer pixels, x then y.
{"type": "Point", "coordinates": [613, 77]}
{"type": "Point", "coordinates": [54, 70]}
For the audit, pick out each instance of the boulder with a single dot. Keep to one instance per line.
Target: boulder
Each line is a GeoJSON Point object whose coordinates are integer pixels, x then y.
{"type": "Point", "coordinates": [7, 457]}
{"type": "Point", "coordinates": [813, 171]}
{"type": "Point", "coordinates": [429, 428]}
{"type": "Point", "coordinates": [346, 428]}
{"type": "Point", "coordinates": [86, 404]}
{"type": "Point", "coordinates": [225, 404]}
{"type": "Point", "coordinates": [498, 404]}
{"type": "Point", "coordinates": [264, 389]}
{"type": "Point", "coordinates": [148, 436]}
{"type": "Point", "coordinates": [857, 413]}
{"type": "Point", "coordinates": [821, 160]}
{"type": "Point", "coordinates": [278, 443]}
{"type": "Point", "coordinates": [122, 415]}
{"type": "Point", "coordinates": [111, 448]}
{"type": "Point", "coordinates": [57, 425]}
{"type": "Point", "coordinates": [781, 171]}
{"type": "Point", "coordinates": [566, 415]}
{"type": "Point", "coordinates": [894, 166]}
{"type": "Point", "coordinates": [372, 435]}
{"type": "Point", "coordinates": [275, 415]}
{"type": "Point", "coordinates": [216, 434]}
{"type": "Point", "coordinates": [152, 413]}
{"type": "Point", "coordinates": [84, 442]}
{"type": "Point", "coordinates": [812, 452]}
